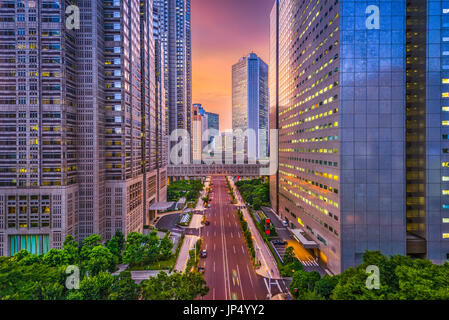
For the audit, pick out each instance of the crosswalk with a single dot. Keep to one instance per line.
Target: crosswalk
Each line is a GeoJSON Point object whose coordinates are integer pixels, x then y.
{"type": "Point", "coordinates": [309, 263]}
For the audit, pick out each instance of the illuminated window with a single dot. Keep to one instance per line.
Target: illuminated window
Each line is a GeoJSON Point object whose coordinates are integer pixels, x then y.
{"type": "Point", "coordinates": [445, 80]}
{"type": "Point", "coordinates": [445, 220]}
{"type": "Point", "coordinates": [445, 108]}
{"type": "Point", "coordinates": [445, 235]}
{"type": "Point", "coordinates": [445, 192]}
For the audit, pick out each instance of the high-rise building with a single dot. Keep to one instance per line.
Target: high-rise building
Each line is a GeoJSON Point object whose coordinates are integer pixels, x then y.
{"type": "Point", "coordinates": [250, 105]}
{"type": "Point", "coordinates": [197, 133]}
{"type": "Point", "coordinates": [427, 128]}
{"type": "Point", "coordinates": [175, 36]}
{"type": "Point", "coordinates": [213, 121]}
{"type": "Point", "coordinates": [340, 87]}
{"type": "Point", "coordinates": [273, 85]}
{"type": "Point", "coordinates": [78, 153]}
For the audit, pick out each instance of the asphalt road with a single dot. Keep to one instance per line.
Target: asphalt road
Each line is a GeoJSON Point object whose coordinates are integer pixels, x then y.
{"type": "Point", "coordinates": [229, 272]}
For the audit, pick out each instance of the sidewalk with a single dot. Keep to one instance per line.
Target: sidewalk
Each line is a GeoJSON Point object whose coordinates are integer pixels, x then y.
{"type": "Point", "coordinates": [269, 266]}
{"type": "Point", "coordinates": [200, 204]}
{"type": "Point", "coordinates": [183, 257]}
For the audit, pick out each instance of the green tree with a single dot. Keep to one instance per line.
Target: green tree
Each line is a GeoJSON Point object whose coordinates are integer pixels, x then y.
{"type": "Point", "coordinates": [302, 282]}
{"type": "Point", "coordinates": [166, 246]}
{"type": "Point", "coordinates": [177, 286]}
{"type": "Point", "coordinates": [88, 244]}
{"type": "Point", "coordinates": [133, 251]}
{"type": "Point", "coordinates": [98, 287]}
{"type": "Point", "coordinates": [124, 287]}
{"type": "Point", "coordinates": [289, 255]}
{"type": "Point", "coordinates": [116, 244]}
{"type": "Point", "coordinates": [54, 258]}
{"type": "Point", "coordinates": [325, 286]}
{"type": "Point", "coordinates": [100, 259]}
{"type": "Point", "coordinates": [70, 249]}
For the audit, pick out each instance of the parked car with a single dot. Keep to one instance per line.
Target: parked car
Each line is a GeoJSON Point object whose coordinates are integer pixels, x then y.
{"type": "Point", "coordinates": [207, 222]}
{"type": "Point", "coordinates": [201, 269]}
{"type": "Point", "coordinates": [279, 242]}
{"type": "Point", "coordinates": [203, 254]}
{"type": "Point", "coordinates": [285, 223]}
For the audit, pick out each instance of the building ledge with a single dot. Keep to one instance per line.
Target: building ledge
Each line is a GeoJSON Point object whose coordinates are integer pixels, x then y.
{"type": "Point", "coordinates": [301, 237]}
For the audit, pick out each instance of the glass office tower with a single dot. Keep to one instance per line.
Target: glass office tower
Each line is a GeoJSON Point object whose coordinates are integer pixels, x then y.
{"type": "Point", "coordinates": [250, 104]}
{"type": "Point", "coordinates": [427, 207]}
{"type": "Point", "coordinates": [341, 108]}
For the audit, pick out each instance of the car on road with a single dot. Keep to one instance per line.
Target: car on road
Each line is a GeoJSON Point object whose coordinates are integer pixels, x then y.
{"type": "Point", "coordinates": [207, 223]}
{"type": "Point", "coordinates": [201, 269]}
{"type": "Point", "coordinates": [203, 254]}
{"type": "Point", "coordinates": [279, 242]}
{"type": "Point", "coordinates": [285, 223]}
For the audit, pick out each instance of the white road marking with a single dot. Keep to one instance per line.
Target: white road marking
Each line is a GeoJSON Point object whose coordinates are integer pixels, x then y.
{"type": "Point", "coordinates": [234, 249]}
{"type": "Point", "coordinates": [213, 294]}
{"type": "Point", "coordinates": [280, 289]}
{"type": "Point", "coordinates": [232, 236]}
{"type": "Point", "coordinates": [214, 266]}
{"type": "Point", "coordinates": [243, 250]}
{"type": "Point", "coordinates": [250, 277]}
{"type": "Point", "coordinates": [240, 282]}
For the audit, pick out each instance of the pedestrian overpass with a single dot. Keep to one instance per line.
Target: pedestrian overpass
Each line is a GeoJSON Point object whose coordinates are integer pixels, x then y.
{"type": "Point", "coordinates": [175, 172]}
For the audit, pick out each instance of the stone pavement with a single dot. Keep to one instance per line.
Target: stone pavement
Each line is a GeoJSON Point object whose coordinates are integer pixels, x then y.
{"type": "Point", "coordinates": [183, 257]}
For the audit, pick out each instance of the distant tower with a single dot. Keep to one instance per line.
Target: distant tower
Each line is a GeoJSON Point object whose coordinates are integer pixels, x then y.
{"type": "Point", "coordinates": [250, 103]}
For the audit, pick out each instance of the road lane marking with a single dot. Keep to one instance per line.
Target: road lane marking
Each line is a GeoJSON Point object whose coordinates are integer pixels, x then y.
{"type": "Point", "coordinates": [243, 250]}
{"type": "Point", "coordinates": [266, 285]}
{"type": "Point", "coordinates": [214, 247]}
{"type": "Point", "coordinates": [214, 266]}
{"type": "Point", "coordinates": [241, 286]}
{"type": "Point", "coordinates": [250, 277]}
{"type": "Point", "coordinates": [213, 294]}
{"type": "Point", "coordinates": [280, 289]}
{"type": "Point", "coordinates": [234, 249]}
{"type": "Point", "coordinates": [232, 236]}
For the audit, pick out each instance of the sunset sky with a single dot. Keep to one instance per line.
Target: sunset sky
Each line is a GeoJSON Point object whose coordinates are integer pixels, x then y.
{"type": "Point", "coordinates": [222, 32]}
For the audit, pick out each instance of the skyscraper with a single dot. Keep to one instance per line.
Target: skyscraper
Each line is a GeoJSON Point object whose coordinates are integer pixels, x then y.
{"type": "Point", "coordinates": [197, 133]}
{"type": "Point", "coordinates": [213, 121]}
{"type": "Point", "coordinates": [427, 129]}
{"type": "Point", "coordinates": [78, 131]}
{"type": "Point", "coordinates": [250, 104]}
{"type": "Point", "coordinates": [341, 102]}
{"type": "Point", "coordinates": [175, 36]}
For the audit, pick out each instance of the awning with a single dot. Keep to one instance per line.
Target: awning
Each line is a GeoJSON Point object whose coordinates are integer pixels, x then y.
{"type": "Point", "coordinates": [161, 206]}
{"type": "Point", "coordinates": [300, 236]}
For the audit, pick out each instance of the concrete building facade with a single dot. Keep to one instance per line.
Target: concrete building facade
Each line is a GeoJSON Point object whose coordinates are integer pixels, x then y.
{"type": "Point", "coordinates": [78, 126]}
